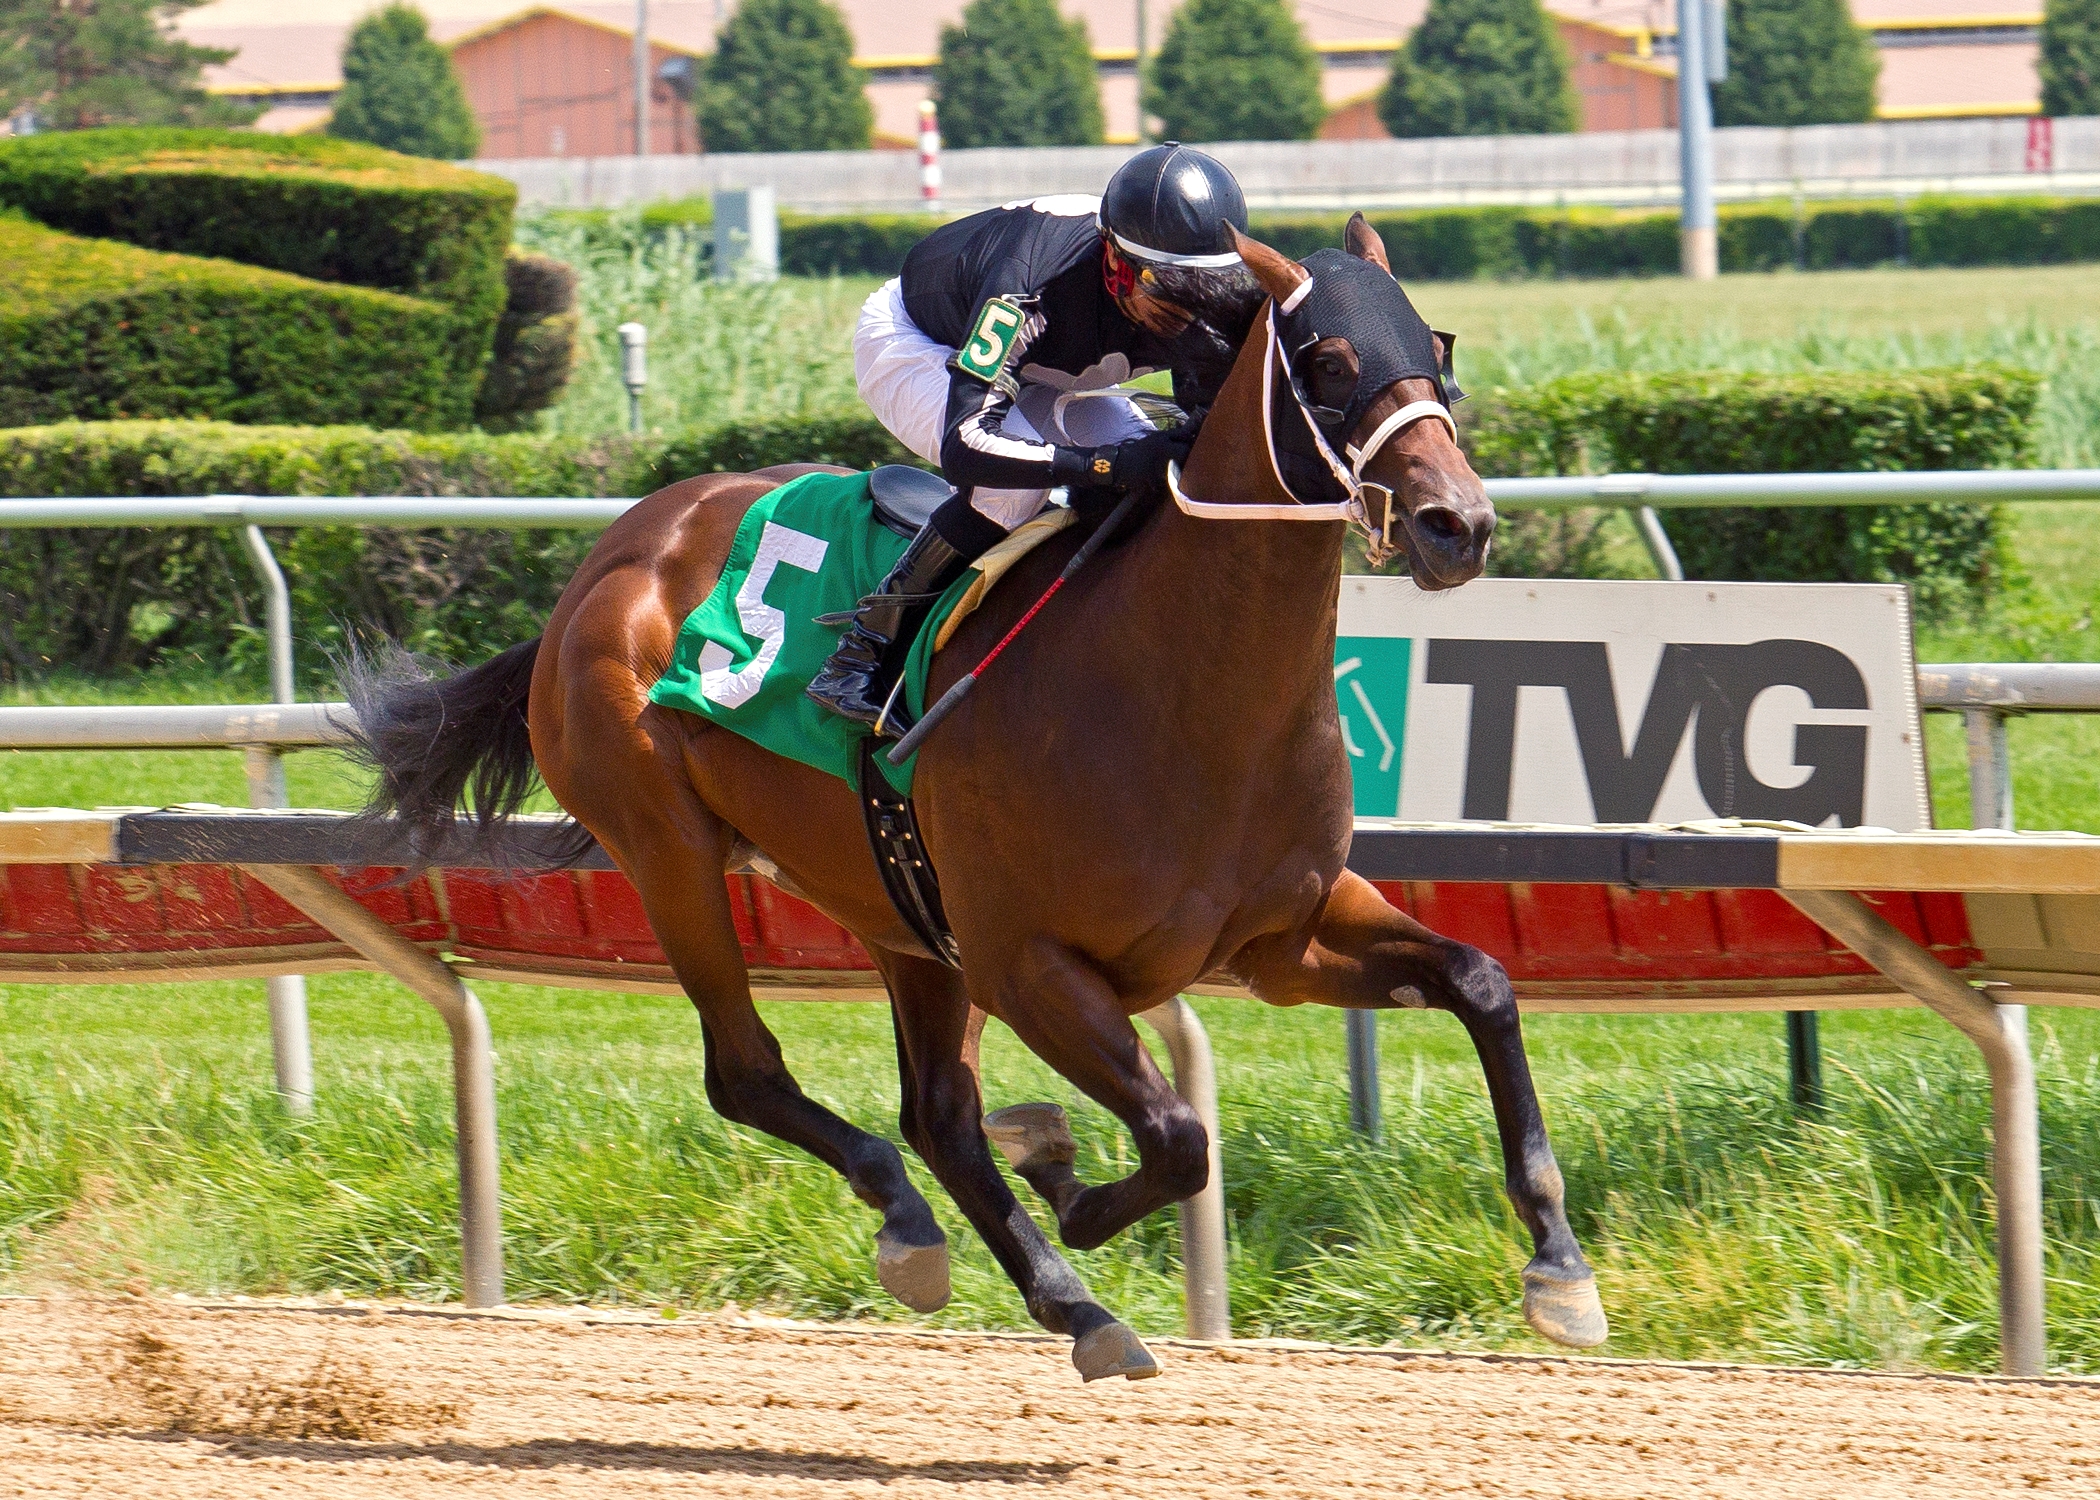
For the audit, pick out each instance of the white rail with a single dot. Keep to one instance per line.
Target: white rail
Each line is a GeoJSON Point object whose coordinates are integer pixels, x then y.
{"type": "Point", "coordinates": [171, 726]}
{"type": "Point", "coordinates": [509, 513]}
{"type": "Point", "coordinates": [1678, 491]}
{"type": "Point", "coordinates": [2070, 687]}
{"type": "Point", "coordinates": [586, 513]}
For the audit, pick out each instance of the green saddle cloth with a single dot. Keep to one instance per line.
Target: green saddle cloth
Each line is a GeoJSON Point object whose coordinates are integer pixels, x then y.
{"type": "Point", "coordinates": [811, 547]}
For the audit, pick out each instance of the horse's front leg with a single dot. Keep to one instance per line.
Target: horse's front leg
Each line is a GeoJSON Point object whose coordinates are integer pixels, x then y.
{"type": "Point", "coordinates": [1364, 954]}
{"type": "Point", "coordinates": [1065, 1011]}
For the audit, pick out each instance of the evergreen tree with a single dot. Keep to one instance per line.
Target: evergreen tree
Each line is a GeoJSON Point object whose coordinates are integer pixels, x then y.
{"type": "Point", "coordinates": [400, 90]}
{"type": "Point", "coordinates": [1016, 73]}
{"type": "Point", "coordinates": [1481, 67]}
{"type": "Point", "coordinates": [106, 62]}
{"type": "Point", "coordinates": [1236, 70]}
{"type": "Point", "coordinates": [782, 79]}
{"type": "Point", "coordinates": [1796, 62]}
{"type": "Point", "coordinates": [2070, 65]}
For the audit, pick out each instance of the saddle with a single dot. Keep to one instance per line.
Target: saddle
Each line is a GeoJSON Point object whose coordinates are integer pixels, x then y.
{"type": "Point", "coordinates": [905, 498]}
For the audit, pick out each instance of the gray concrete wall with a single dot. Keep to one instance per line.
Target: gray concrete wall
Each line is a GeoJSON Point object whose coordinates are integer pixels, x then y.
{"type": "Point", "coordinates": [1633, 167]}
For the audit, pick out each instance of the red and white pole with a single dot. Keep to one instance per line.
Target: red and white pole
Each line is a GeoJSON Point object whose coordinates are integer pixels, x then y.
{"type": "Point", "coordinates": [2041, 144]}
{"type": "Point", "coordinates": [929, 158]}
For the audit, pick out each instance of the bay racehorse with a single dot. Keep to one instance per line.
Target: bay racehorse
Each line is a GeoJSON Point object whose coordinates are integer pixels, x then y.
{"type": "Point", "coordinates": [1150, 788]}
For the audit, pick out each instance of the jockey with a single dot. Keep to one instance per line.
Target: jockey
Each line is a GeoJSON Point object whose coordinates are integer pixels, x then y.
{"type": "Point", "coordinates": [995, 317]}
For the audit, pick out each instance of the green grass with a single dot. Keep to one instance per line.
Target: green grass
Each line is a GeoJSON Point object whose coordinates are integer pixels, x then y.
{"type": "Point", "coordinates": [2045, 319]}
{"type": "Point", "coordinates": [140, 1142]}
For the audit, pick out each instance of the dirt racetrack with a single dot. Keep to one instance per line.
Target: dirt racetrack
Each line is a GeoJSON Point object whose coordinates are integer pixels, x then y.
{"type": "Point", "coordinates": [182, 1400]}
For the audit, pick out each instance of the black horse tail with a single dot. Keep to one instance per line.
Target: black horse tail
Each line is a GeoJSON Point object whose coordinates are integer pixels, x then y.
{"type": "Point", "coordinates": [438, 739]}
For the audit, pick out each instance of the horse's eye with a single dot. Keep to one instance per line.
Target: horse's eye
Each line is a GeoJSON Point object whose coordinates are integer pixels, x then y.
{"type": "Point", "coordinates": [1329, 365]}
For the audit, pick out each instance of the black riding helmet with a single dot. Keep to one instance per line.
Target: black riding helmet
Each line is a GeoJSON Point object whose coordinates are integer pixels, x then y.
{"type": "Point", "coordinates": [1168, 206]}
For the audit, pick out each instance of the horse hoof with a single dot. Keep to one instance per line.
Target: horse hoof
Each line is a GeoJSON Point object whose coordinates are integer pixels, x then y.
{"type": "Point", "coordinates": [916, 1275]}
{"type": "Point", "coordinates": [1113, 1349]}
{"type": "Point", "coordinates": [1567, 1312]}
{"type": "Point", "coordinates": [1032, 1135]}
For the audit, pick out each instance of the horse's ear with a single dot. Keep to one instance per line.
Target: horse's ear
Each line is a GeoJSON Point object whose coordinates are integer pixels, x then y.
{"type": "Point", "coordinates": [1362, 241]}
{"type": "Point", "coordinates": [1278, 274]}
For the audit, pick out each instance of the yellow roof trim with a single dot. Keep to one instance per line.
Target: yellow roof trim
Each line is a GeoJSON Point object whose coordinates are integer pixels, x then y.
{"type": "Point", "coordinates": [1932, 23]}
{"type": "Point", "coordinates": [264, 90]}
{"type": "Point", "coordinates": [1651, 66]}
{"type": "Point", "coordinates": [519, 18]}
{"type": "Point", "coordinates": [1954, 111]}
{"type": "Point", "coordinates": [1366, 97]}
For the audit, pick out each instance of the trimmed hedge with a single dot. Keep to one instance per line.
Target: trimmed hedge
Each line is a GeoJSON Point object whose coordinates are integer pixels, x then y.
{"type": "Point", "coordinates": [1456, 244]}
{"type": "Point", "coordinates": [310, 205]}
{"type": "Point", "coordinates": [105, 600]}
{"type": "Point", "coordinates": [1727, 423]}
{"type": "Point", "coordinates": [92, 330]}
{"type": "Point", "coordinates": [535, 345]}
{"type": "Point", "coordinates": [844, 244]}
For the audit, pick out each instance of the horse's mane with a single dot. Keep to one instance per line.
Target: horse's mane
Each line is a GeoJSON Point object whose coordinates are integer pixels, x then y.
{"type": "Point", "coordinates": [1225, 300]}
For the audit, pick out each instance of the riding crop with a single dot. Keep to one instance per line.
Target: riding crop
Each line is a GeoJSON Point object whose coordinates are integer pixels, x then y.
{"type": "Point", "coordinates": [914, 737]}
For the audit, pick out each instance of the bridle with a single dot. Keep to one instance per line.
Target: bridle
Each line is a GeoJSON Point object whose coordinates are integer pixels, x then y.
{"type": "Point", "coordinates": [1378, 540]}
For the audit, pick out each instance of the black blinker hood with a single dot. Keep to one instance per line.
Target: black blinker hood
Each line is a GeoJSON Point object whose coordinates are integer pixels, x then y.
{"type": "Point", "coordinates": [1353, 299]}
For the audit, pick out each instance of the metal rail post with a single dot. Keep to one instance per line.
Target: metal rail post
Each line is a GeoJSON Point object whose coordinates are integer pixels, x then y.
{"type": "Point", "coordinates": [2000, 1034]}
{"type": "Point", "coordinates": [1205, 1294]}
{"type": "Point", "coordinates": [1139, 71]}
{"type": "Point", "coordinates": [1991, 806]}
{"type": "Point", "coordinates": [634, 369]}
{"type": "Point", "coordinates": [1804, 1062]}
{"type": "Point", "coordinates": [473, 1062]}
{"type": "Point", "coordinates": [641, 77]}
{"type": "Point", "coordinates": [1366, 1102]}
{"type": "Point", "coordinates": [1695, 145]}
{"type": "Point", "coordinates": [1657, 541]}
{"type": "Point", "coordinates": [291, 1037]}
{"type": "Point", "coordinates": [1990, 768]}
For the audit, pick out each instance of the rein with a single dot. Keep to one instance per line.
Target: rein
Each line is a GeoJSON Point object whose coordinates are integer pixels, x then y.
{"type": "Point", "coordinates": [1378, 540]}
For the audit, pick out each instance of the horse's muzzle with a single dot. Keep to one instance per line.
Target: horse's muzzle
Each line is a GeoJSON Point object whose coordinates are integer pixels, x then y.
{"type": "Point", "coordinates": [1447, 536]}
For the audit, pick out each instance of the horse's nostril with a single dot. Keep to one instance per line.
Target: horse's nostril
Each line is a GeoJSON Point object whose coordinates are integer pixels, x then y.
{"type": "Point", "coordinates": [1439, 523]}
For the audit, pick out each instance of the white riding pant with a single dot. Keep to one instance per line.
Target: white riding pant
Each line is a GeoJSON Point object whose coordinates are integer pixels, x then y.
{"type": "Point", "coordinates": [903, 376]}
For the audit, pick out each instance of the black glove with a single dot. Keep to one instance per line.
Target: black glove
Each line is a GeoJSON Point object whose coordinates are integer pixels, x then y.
{"type": "Point", "coordinates": [1127, 465]}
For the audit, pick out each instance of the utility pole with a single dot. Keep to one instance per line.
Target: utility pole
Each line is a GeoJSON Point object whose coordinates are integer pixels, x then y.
{"type": "Point", "coordinates": [641, 77]}
{"type": "Point", "coordinates": [1695, 141]}
{"type": "Point", "coordinates": [1139, 64]}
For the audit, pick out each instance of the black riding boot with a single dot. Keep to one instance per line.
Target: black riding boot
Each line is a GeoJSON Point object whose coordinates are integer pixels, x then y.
{"type": "Point", "coordinates": [856, 678]}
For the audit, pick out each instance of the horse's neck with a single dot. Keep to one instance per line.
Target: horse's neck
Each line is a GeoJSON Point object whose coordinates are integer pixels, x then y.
{"type": "Point", "coordinates": [1263, 587]}
{"type": "Point", "coordinates": [1254, 598]}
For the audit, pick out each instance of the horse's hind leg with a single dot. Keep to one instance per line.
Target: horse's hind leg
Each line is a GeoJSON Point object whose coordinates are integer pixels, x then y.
{"type": "Point", "coordinates": [940, 1118]}
{"type": "Point", "coordinates": [1367, 955]}
{"type": "Point", "coordinates": [676, 863]}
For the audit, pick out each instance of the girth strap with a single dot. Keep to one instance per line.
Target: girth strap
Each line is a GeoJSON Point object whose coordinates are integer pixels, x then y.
{"type": "Point", "coordinates": [901, 859]}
